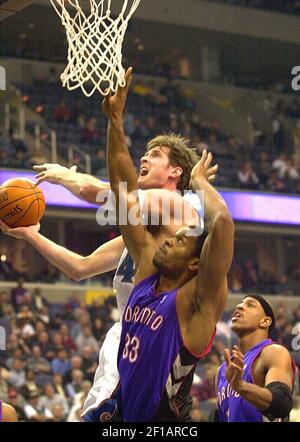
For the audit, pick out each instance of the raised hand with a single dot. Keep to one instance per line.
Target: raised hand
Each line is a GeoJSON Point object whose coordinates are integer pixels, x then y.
{"type": "Point", "coordinates": [203, 168]}
{"type": "Point", "coordinates": [52, 173]}
{"type": "Point", "coordinates": [235, 367]}
{"type": "Point", "coordinates": [114, 105]}
{"type": "Point", "coordinates": [18, 232]}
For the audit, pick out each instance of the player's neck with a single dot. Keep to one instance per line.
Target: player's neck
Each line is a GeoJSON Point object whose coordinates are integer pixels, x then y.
{"type": "Point", "coordinates": [170, 185]}
{"type": "Point", "coordinates": [166, 284]}
{"type": "Point", "coordinates": [250, 340]}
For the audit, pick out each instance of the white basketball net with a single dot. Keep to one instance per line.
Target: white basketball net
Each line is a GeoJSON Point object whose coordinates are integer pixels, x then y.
{"type": "Point", "coordinates": [95, 44]}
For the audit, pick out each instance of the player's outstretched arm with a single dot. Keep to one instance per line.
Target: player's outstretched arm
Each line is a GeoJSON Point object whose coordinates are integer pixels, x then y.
{"type": "Point", "coordinates": [202, 300]}
{"type": "Point", "coordinates": [215, 260]}
{"type": "Point", "coordinates": [75, 266]}
{"type": "Point", "coordinates": [123, 177]}
{"type": "Point", "coordinates": [81, 185]}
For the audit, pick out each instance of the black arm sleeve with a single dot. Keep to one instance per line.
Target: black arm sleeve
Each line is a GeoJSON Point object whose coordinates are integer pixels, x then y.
{"type": "Point", "coordinates": [282, 401]}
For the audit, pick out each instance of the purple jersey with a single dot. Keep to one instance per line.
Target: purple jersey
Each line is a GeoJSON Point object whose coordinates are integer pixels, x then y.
{"type": "Point", "coordinates": [153, 363]}
{"type": "Point", "coordinates": [232, 407]}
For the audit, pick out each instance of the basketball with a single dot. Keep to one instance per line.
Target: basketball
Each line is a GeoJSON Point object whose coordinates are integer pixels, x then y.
{"type": "Point", "coordinates": [22, 203]}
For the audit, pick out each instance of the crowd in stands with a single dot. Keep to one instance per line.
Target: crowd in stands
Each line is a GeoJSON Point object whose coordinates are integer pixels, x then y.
{"type": "Point", "coordinates": [268, 162]}
{"type": "Point", "coordinates": [51, 354]}
{"type": "Point", "coordinates": [14, 152]}
{"type": "Point", "coordinates": [246, 277]}
{"type": "Point", "coordinates": [285, 6]}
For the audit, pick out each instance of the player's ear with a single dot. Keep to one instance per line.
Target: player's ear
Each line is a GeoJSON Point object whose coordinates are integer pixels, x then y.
{"type": "Point", "coordinates": [176, 172]}
{"type": "Point", "coordinates": [194, 264]}
{"type": "Point", "coordinates": [266, 322]}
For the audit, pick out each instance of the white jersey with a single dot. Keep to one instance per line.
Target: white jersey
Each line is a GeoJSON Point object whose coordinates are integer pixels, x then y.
{"type": "Point", "coordinates": [123, 281]}
{"type": "Point", "coordinates": [107, 377]}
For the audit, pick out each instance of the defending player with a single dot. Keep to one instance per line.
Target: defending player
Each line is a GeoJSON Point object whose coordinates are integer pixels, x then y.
{"type": "Point", "coordinates": [256, 380]}
{"type": "Point", "coordinates": [180, 289]}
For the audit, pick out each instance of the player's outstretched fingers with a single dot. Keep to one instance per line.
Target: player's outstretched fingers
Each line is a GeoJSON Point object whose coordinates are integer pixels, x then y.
{"type": "Point", "coordinates": [238, 358]}
{"type": "Point", "coordinates": [227, 357]}
{"type": "Point", "coordinates": [203, 157]}
{"type": "Point", "coordinates": [43, 167]}
{"type": "Point", "coordinates": [208, 160]}
{"type": "Point", "coordinates": [3, 227]}
{"type": "Point", "coordinates": [40, 178]}
{"type": "Point", "coordinates": [128, 77]}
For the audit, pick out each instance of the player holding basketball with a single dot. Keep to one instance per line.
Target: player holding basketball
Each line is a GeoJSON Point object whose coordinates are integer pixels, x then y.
{"type": "Point", "coordinates": [7, 413]}
{"type": "Point", "coordinates": [180, 288]}
{"type": "Point", "coordinates": [168, 169]}
{"type": "Point", "coordinates": [255, 382]}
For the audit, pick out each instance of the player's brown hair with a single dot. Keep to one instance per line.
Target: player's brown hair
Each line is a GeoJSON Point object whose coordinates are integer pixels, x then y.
{"type": "Point", "coordinates": [180, 154]}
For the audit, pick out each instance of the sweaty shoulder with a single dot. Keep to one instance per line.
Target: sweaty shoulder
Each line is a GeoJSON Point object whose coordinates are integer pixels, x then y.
{"type": "Point", "coordinates": [9, 413]}
{"type": "Point", "coordinates": [274, 349]}
{"type": "Point", "coordinates": [274, 353]}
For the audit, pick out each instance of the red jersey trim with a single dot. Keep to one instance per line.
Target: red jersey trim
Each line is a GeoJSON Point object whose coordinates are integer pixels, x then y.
{"type": "Point", "coordinates": [206, 350]}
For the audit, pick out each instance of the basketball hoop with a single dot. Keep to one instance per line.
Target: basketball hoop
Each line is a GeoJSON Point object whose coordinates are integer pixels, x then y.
{"type": "Point", "coordinates": [95, 42]}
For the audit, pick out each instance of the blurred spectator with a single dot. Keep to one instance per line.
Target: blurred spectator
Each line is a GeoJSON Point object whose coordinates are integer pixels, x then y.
{"type": "Point", "coordinates": [264, 168]}
{"type": "Point", "coordinates": [283, 286]}
{"type": "Point", "coordinates": [33, 410]}
{"type": "Point", "coordinates": [17, 374]}
{"type": "Point", "coordinates": [278, 133]}
{"type": "Point", "coordinates": [61, 113]}
{"type": "Point", "coordinates": [61, 363]}
{"type": "Point", "coordinates": [99, 163]}
{"type": "Point", "coordinates": [39, 365]}
{"type": "Point", "coordinates": [57, 412]}
{"type": "Point", "coordinates": [275, 184]}
{"type": "Point", "coordinates": [17, 294]}
{"type": "Point", "coordinates": [89, 362]}
{"type": "Point", "coordinates": [247, 177]}
{"type": "Point", "coordinates": [17, 401]}
{"type": "Point", "coordinates": [250, 277]}
{"type": "Point", "coordinates": [50, 398]}
{"type": "Point", "coordinates": [46, 346]}
{"type": "Point", "coordinates": [206, 390]}
{"type": "Point", "coordinates": [30, 384]}
{"type": "Point", "coordinates": [98, 330]}
{"type": "Point", "coordinates": [75, 364]}
{"type": "Point", "coordinates": [58, 385]}
{"type": "Point", "coordinates": [66, 340]}
{"type": "Point", "coordinates": [75, 385]}
{"type": "Point", "coordinates": [85, 338]}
